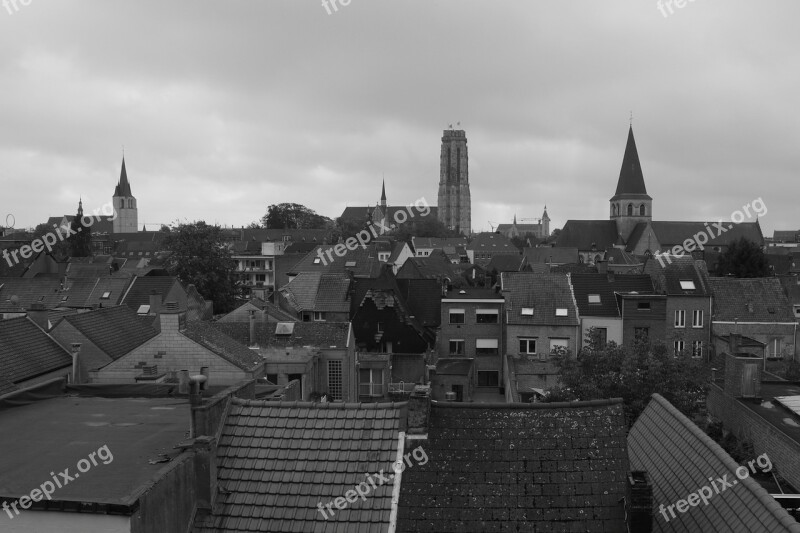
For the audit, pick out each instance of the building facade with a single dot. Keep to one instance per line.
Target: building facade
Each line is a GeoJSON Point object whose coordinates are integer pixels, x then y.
{"type": "Point", "coordinates": [454, 198]}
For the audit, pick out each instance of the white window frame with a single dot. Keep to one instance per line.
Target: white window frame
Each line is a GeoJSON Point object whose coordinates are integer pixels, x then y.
{"type": "Point", "coordinates": [319, 316]}
{"type": "Point", "coordinates": [487, 312]}
{"type": "Point", "coordinates": [457, 312]}
{"type": "Point", "coordinates": [679, 346]}
{"type": "Point", "coordinates": [697, 349]}
{"type": "Point", "coordinates": [463, 347]}
{"type": "Point", "coordinates": [527, 311]}
{"type": "Point", "coordinates": [562, 311]}
{"type": "Point", "coordinates": [697, 318]}
{"type": "Point", "coordinates": [680, 318]}
{"type": "Point", "coordinates": [371, 388]}
{"type": "Point", "coordinates": [528, 341]}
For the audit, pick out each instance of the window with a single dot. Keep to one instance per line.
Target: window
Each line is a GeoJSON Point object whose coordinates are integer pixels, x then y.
{"type": "Point", "coordinates": [527, 346]}
{"type": "Point", "coordinates": [488, 378]}
{"type": "Point", "coordinates": [456, 316]}
{"type": "Point", "coordinates": [486, 316]}
{"type": "Point", "coordinates": [678, 347]}
{"type": "Point", "coordinates": [272, 378]}
{"type": "Point", "coordinates": [697, 318]}
{"type": "Point", "coordinates": [456, 346]}
{"type": "Point", "coordinates": [319, 316]}
{"type": "Point", "coordinates": [774, 348]}
{"type": "Point", "coordinates": [680, 318]}
{"type": "Point", "coordinates": [317, 260]}
{"type": "Point", "coordinates": [687, 285]}
{"type": "Point", "coordinates": [630, 209]}
{"type": "Point", "coordinates": [561, 311]}
{"type": "Point", "coordinates": [642, 210]}
{"type": "Point", "coordinates": [641, 334]}
{"type": "Point", "coordinates": [643, 306]}
{"type": "Point", "coordinates": [594, 298]}
{"type": "Point", "coordinates": [559, 345]}
{"type": "Point", "coordinates": [370, 382]}
{"type": "Point", "coordinates": [380, 327]}
{"type": "Point", "coordinates": [602, 336]}
{"type": "Point", "coordinates": [697, 349]}
{"type": "Point", "coordinates": [106, 295]}
{"type": "Point", "coordinates": [486, 346]}
{"type": "Point", "coordinates": [527, 311]}
{"type": "Point", "coordinates": [335, 380]}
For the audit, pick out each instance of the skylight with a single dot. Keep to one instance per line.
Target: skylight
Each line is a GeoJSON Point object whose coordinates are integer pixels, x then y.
{"type": "Point", "coordinates": [687, 284]}
{"type": "Point", "coordinates": [527, 311]}
{"type": "Point", "coordinates": [561, 311]}
{"type": "Point", "coordinates": [350, 264]}
{"type": "Point", "coordinates": [106, 295]}
{"type": "Point", "coordinates": [594, 298]}
{"type": "Point", "coordinates": [316, 260]}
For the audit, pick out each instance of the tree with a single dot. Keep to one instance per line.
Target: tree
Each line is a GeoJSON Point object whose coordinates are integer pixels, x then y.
{"type": "Point", "coordinates": [427, 226]}
{"type": "Point", "coordinates": [60, 250]}
{"type": "Point", "coordinates": [80, 241]}
{"type": "Point", "coordinates": [633, 374]}
{"type": "Point", "coordinates": [199, 256]}
{"type": "Point", "coordinates": [743, 259]}
{"type": "Point", "coordinates": [293, 216]}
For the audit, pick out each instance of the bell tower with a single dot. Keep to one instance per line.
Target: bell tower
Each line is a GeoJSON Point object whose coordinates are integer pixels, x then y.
{"type": "Point", "coordinates": [454, 198]}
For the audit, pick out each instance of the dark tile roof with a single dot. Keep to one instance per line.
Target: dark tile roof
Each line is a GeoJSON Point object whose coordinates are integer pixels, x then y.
{"type": "Point", "coordinates": [441, 243]}
{"type": "Point", "coordinates": [318, 291]}
{"type": "Point", "coordinates": [26, 351]}
{"type": "Point", "coordinates": [518, 467]}
{"type": "Point", "coordinates": [679, 459]}
{"type": "Point", "coordinates": [670, 234]}
{"type": "Point", "coordinates": [506, 263]}
{"type": "Point", "coordinates": [362, 262]}
{"type": "Point", "coordinates": [115, 285]}
{"type": "Point", "coordinates": [750, 300]}
{"type": "Point", "coordinates": [278, 460]}
{"type": "Point", "coordinates": [316, 334]}
{"type": "Point", "coordinates": [27, 291]}
{"type": "Point", "coordinates": [139, 292]}
{"type": "Point", "coordinates": [424, 300]}
{"type": "Point", "coordinates": [551, 254]}
{"type": "Point", "coordinates": [359, 213]}
{"type": "Point", "coordinates": [434, 266]}
{"type": "Point", "coordinates": [585, 234]}
{"type": "Point", "coordinates": [115, 330]}
{"type": "Point", "coordinates": [667, 277]}
{"type": "Point", "coordinates": [544, 293]}
{"type": "Point", "coordinates": [605, 286]}
{"type": "Point", "coordinates": [6, 386]}
{"type": "Point", "coordinates": [470, 293]}
{"type": "Point", "coordinates": [210, 336]}
{"type": "Point", "coordinates": [786, 236]}
{"type": "Point", "coordinates": [631, 179]}
{"type": "Point", "coordinates": [492, 242]}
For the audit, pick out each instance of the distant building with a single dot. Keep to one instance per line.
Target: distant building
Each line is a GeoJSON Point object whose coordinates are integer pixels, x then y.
{"type": "Point", "coordinates": [126, 213]}
{"type": "Point", "coordinates": [540, 230]}
{"type": "Point", "coordinates": [455, 208]}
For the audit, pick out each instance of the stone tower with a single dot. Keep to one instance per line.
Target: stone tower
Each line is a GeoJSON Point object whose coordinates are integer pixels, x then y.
{"type": "Point", "coordinates": [631, 204]}
{"type": "Point", "coordinates": [125, 211]}
{"type": "Point", "coordinates": [545, 224]}
{"type": "Point", "coordinates": [454, 199]}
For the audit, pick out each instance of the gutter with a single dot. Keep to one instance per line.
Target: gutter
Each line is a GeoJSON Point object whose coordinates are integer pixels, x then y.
{"type": "Point", "coordinates": [398, 476]}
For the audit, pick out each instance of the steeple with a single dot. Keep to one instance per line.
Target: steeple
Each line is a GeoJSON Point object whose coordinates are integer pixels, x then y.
{"type": "Point", "coordinates": [126, 213]}
{"type": "Point", "coordinates": [123, 187]}
{"type": "Point", "coordinates": [631, 179]}
{"type": "Point", "coordinates": [383, 195]}
{"type": "Point", "coordinates": [80, 207]}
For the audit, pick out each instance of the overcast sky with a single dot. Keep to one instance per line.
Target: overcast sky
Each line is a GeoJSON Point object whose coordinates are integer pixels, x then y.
{"type": "Point", "coordinates": [226, 107]}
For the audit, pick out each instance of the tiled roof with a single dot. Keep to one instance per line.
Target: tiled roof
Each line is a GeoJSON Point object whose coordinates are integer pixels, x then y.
{"type": "Point", "coordinates": [506, 263]}
{"type": "Point", "coordinates": [434, 266]}
{"type": "Point", "coordinates": [520, 468]}
{"type": "Point", "coordinates": [115, 286]}
{"type": "Point", "coordinates": [316, 334]}
{"type": "Point", "coordinates": [278, 460]}
{"type": "Point", "coordinates": [584, 234]}
{"type": "Point", "coordinates": [432, 242]}
{"type": "Point", "coordinates": [667, 277]}
{"type": "Point", "coordinates": [670, 234]}
{"type": "Point", "coordinates": [423, 298]}
{"type": "Point", "coordinates": [618, 256]}
{"type": "Point", "coordinates": [544, 293]}
{"type": "Point", "coordinates": [359, 213]}
{"type": "Point", "coordinates": [209, 336]}
{"type": "Point", "coordinates": [115, 330]}
{"type": "Point", "coordinates": [679, 459]}
{"type": "Point", "coordinates": [786, 236]}
{"type": "Point", "coordinates": [318, 291]}
{"type": "Point", "coordinates": [604, 287]}
{"type": "Point", "coordinates": [750, 300]}
{"type": "Point", "coordinates": [26, 351]}
{"type": "Point", "coordinates": [551, 254]}
{"type": "Point", "coordinates": [139, 292]}
{"type": "Point", "coordinates": [362, 262]}
{"type": "Point", "coordinates": [492, 242]}
{"type": "Point", "coordinates": [28, 291]}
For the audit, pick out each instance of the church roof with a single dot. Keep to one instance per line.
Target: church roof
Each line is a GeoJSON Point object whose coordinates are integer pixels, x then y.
{"type": "Point", "coordinates": [123, 187]}
{"type": "Point", "coordinates": [631, 180]}
{"type": "Point", "coordinates": [582, 234]}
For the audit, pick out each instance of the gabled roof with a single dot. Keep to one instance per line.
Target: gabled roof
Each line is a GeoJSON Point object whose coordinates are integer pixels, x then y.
{"type": "Point", "coordinates": [544, 293]}
{"type": "Point", "coordinates": [631, 180]}
{"type": "Point", "coordinates": [139, 292]}
{"type": "Point", "coordinates": [671, 234]}
{"type": "Point", "coordinates": [314, 334]}
{"type": "Point", "coordinates": [750, 300]}
{"type": "Point", "coordinates": [362, 262]}
{"type": "Point", "coordinates": [115, 330]}
{"type": "Point", "coordinates": [506, 263]}
{"type": "Point", "coordinates": [679, 459]}
{"type": "Point", "coordinates": [518, 467]}
{"type": "Point", "coordinates": [278, 460]}
{"type": "Point", "coordinates": [587, 234]}
{"type": "Point", "coordinates": [318, 291]}
{"type": "Point", "coordinates": [123, 188]}
{"type": "Point", "coordinates": [551, 254]}
{"type": "Point", "coordinates": [114, 286]}
{"type": "Point", "coordinates": [786, 236]}
{"type": "Point", "coordinates": [424, 301]}
{"type": "Point", "coordinates": [603, 287]}
{"type": "Point", "coordinates": [16, 293]}
{"type": "Point", "coordinates": [27, 352]}
{"type": "Point", "coordinates": [359, 213]}
{"type": "Point", "coordinates": [209, 336]}
{"type": "Point", "coordinates": [269, 308]}
{"type": "Point", "coordinates": [668, 277]}
{"type": "Point", "coordinates": [492, 242]}
{"type": "Point", "coordinates": [434, 266]}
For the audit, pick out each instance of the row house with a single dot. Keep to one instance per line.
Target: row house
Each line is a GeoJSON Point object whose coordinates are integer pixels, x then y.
{"type": "Point", "coordinates": [255, 266]}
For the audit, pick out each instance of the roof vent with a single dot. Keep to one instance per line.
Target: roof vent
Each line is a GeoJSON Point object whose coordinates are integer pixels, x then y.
{"type": "Point", "coordinates": [171, 306]}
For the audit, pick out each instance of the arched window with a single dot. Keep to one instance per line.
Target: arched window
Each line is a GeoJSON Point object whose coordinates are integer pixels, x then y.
{"type": "Point", "coordinates": [614, 209]}
{"type": "Point", "coordinates": [642, 210]}
{"type": "Point", "coordinates": [630, 209]}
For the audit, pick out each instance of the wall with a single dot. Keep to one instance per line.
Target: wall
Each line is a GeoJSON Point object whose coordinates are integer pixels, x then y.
{"type": "Point", "coordinates": [470, 331]}
{"type": "Point", "coordinates": [655, 319]}
{"type": "Point", "coordinates": [168, 505]}
{"type": "Point", "coordinates": [612, 325]}
{"type": "Point", "coordinates": [688, 334]}
{"type": "Point", "coordinates": [31, 521]}
{"type": "Point", "coordinates": [761, 332]}
{"type": "Point", "coordinates": [543, 334]}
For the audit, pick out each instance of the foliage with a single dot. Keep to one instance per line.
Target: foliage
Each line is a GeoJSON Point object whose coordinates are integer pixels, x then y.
{"type": "Point", "coordinates": [743, 259]}
{"type": "Point", "coordinates": [61, 249]}
{"type": "Point", "coordinates": [791, 370]}
{"type": "Point", "coordinates": [293, 216]}
{"type": "Point", "coordinates": [427, 226]}
{"type": "Point", "coordinates": [80, 241]}
{"type": "Point", "coordinates": [201, 257]}
{"type": "Point", "coordinates": [633, 374]}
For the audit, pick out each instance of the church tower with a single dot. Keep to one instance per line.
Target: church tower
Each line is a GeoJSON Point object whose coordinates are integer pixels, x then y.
{"type": "Point", "coordinates": [545, 224]}
{"type": "Point", "coordinates": [631, 204]}
{"type": "Point", "coordinates": [125, 211]}
{"type": "Point", "coordinates": [454, 199]}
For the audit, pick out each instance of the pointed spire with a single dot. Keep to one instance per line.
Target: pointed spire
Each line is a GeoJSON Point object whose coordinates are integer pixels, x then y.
{"type": "Point", "coordinates": [383, 193]}
{"type": "Point", "coordinates": [631, 179]}
{"type": "Point", "coordinates": [80, 206]}
{"type": "Point", "coordinates": [123, 187]}
{"type": "Point", "coordinates": [545, 216]}
{"type": "Point", "coordinates": [515, 219]}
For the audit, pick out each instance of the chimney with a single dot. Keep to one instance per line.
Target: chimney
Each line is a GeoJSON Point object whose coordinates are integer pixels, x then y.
{"type": "Point", "coordinates": [155, 302]}
{"type": "Point", "coordinates": [205, 467]}
{"type": "Point", "coordinates": [639, 501]}
{"type": "Point", "coordinates": [76, 363]}
{"type": "Point", "coordinates": [610, 275]}
{"type": "Point", "coordinates": [419, 410]}
{"type": "Point", "coordinates": [183, 381]}
{"type": "Point", "coordinates": [204, 372]}
{"type": "Point", "coordinates": [169, 317]}
{"type": "Point", "coordinates": [602, 267]}
{"type": "Point", "coordinates": [38, 314]}
{"type": "Point", "coordinates": [252, 327]}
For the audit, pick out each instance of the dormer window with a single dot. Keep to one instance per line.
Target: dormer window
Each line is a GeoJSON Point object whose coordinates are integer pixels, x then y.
{"type": "Point", "coordinates": [527, 311]}
{"type": "Point", "coordinates": [687, 285]}
{"type": "Point", "coordinates": [561, 311]}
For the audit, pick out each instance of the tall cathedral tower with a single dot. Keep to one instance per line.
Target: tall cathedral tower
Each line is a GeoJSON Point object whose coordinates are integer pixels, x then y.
{"type": "Point", "coordinates": [126, 214]}
{"type": "Point", "coordinates": [454, 199]}
{"type": "Point", "coordinates": [631, 204]}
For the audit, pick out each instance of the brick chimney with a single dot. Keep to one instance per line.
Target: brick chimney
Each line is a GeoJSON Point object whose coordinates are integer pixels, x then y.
{"type": "Point", "coordinates": [37, 312]}
{"type": "Point", "coordinates": [252, 337]}
{"type": "Point", "coordinates": [77, 378]}
{"type": "Point", "coordinates": [419, 410]}
{"type": "Point", "coordinates": [170, 317]}
{"type": "Point", "coordinates": [155, 302]}
{"type": "Point", "coordinates": [205, 467]}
